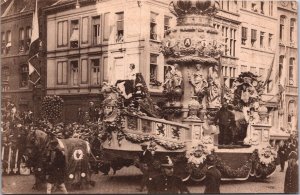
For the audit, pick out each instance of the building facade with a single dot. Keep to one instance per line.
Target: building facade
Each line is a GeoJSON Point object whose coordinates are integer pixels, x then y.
{"type": "Point", "coordinates": [87, 42]}
{"type": "Point", "coordinates": [287, 63]}
{"type": "Point", "coordinates": [97, 42]}
{"type": "Point", "coordinates": [16, 27]}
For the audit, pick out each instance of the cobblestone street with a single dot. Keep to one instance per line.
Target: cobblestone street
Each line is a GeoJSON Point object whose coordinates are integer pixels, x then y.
{"type": "Point", "coordinates": [127, 180]}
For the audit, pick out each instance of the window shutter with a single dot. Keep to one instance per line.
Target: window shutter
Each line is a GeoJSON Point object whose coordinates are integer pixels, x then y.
{"type": "Point", "coordinates": [253, 34]}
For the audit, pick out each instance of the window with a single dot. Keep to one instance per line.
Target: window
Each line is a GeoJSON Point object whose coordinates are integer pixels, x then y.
{"type": "Point", "coordinates": [120, 27]}
{"type": "Point", "coordinates": [85, 27]}
{"type": "Point", "coordinates": [74, 34]}
{"type": "Point", "coordinates": [292, 30]}
{"type": "Point", "coordinates": [28, 37]}
{"type": "Point", "coordinates": [95, 72]}
{"type": "Point", "coordinates": [5, 78]}
{"type": "Point", "coordinates": [231, 76]}
{"type": "Point", "coordinates": [153, 68]}
{"type": "Point", "coordinates": [254, 7]}
{"type": "Point", "coordinates": [244, 35]}
{"type": "Point", "coordinates": [21, 40]}
{"type": "Point", "coordinates": [153, 26]}
{"type": "Point", "coordinates": [225, 35]}
{"type": "Point", "coordinates": [253, 37]}
{"type": "Point", "coordinates": [74, 72]}
{"type": "Point", "coordinates": [24, 75]}
{"type": "Point", "coordinates": [3, 43]}
{"type": "Point", "coordinates": [243, 68]}
{"type": "Point", "coordinates": [281, 28]}
{"type": "Point", "coordinates": [62, 31]}
{"type": "Point", "coordinates": [262, 7]}
{"type": "Point", "coordinates": [281, 58]}
{"type": "Point", "coordinates": [96, 30]}
{"type": "Point", "coordinates": [166, 24]}
{"type": "Point", "coordinates": [261, 39]}
{"type": "Point", "coordinates": [291, 71]}
{"type": "Point", "coordinates": [84, 71]}
{"type": "Point", "coordinates": [271, 8]}
{"type": "Point", "coordinates": [270, 40]}
{"type": "Point", "coordinates": [244, 4]}
{"type": "Point", "coordinates": [232, 42]}
{"type": "Point", "coordinates": [8, 42]}
{"type": "Point", "coordinates": [62, 73]}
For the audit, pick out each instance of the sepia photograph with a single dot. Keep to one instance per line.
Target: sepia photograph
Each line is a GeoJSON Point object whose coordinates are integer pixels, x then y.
{"type": "Point", "coordinates": [149, 96]}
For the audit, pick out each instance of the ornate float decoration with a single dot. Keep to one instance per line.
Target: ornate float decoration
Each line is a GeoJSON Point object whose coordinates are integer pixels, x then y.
{"type": "Point", "coordinates": [193, 89]}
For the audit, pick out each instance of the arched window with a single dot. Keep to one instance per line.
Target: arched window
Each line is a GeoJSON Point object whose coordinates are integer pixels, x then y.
{"type": "Point", "coordinates": [291, 71]}
{"type": "Point", "coordinates": [292, 29]}
{"type": "Point", "coordinates": [281, 27]}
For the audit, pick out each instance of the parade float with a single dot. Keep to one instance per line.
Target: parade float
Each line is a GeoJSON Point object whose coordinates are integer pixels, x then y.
{"type": "Point", "coordinates": [194, 92]}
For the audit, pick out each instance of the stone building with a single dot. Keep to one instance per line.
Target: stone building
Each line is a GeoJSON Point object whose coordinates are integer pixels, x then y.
{"type": "Point", "coordinates": [87, 42]}
{"type": "Point", "coordinates": [287, 64]}
{"type": "Point", "coordinates": [16, 27]}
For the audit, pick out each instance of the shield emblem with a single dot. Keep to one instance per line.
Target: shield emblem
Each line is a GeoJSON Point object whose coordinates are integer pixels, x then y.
{"type": "Point", "coordinates": [187, 42]}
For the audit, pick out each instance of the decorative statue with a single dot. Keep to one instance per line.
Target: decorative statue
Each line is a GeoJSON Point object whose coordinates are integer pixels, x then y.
{"type": "Point", "coordinates": [252, 118]}
{"type": "Point", "coordinates": [214, 89]}
{"type": "Point", "coordinates": [199, 83]}
{"type": "Point", "coordinates": [173, 86]}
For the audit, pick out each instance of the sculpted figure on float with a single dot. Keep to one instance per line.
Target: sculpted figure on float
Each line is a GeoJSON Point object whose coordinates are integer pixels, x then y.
{"type": "Point", "coordinates": [198, 82]}
{"type": "Point", "coordinates": [173, 86]}
{"type": "Point", "coordinates": [214, 89]}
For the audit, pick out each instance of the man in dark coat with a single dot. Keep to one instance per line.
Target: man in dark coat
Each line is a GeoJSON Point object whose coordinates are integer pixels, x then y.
{"type": "Point", "coordinates": [282, 155]}
{"type": "Point", "coordinates": [146, 160]}
{"type": "Point", "coordinates": [225, 119]}
{"type": "Point", "coordinates": [213, 177]}
{"type": "Point", "coordinates": [56, 168]}
{"type": "Point", "coordinates": [291, 176]}
{"type": "Point", "coordinates": [167, 183]}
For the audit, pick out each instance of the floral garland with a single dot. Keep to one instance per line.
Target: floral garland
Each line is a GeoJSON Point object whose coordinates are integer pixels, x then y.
{"type": "Point", "coordinates": [169, 145]}
{"type": "Point", "coordinates": [228, 172]}
{"type": "Point", "coordinates": [266, 154]}
{"type": "Point", "coordinates": [134, 138]}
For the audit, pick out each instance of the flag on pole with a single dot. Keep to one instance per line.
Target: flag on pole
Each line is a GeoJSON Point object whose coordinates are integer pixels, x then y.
{"type": "Point", "coordinates": [33, 61]}
{"type": "Point", "coordinates": [269, 73]}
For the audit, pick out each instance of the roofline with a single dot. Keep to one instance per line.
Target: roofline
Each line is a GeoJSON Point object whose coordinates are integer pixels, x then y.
{"type": "Point", "coordinates": [65, 6]}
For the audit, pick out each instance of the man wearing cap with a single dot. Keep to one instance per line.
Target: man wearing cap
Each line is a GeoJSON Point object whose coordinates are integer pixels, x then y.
{"type": "Point", "coordinates": [56, 167]}
{"type": "Point", "coordinates": [167, 182]}
{"type": "Point", "coordinates": [146, 160]}
{"type": "Point", "coordinates": [213, 177]}
{"type": "Point", "coordinates": [291, 176]}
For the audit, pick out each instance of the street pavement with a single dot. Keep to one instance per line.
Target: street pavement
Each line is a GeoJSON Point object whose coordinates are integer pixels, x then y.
{"type": "Point", "coordinates": [127, 180]}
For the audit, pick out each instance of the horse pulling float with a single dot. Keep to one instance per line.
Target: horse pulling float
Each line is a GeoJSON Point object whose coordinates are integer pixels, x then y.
{"type": "Point", "coordinates": [194, 92]}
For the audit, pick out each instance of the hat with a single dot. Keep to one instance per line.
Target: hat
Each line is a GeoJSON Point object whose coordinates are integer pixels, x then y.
{"type": "Point", "coordinates": [139, 85]}
{"type": "Point", "coordinates": [166, 162]}
{"type": "Point", "coordinates": [293, 155]}
{"type": "Point", "coordinates": [210, 159]}
{"type": "Point", "coordinates": [144, 145]}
